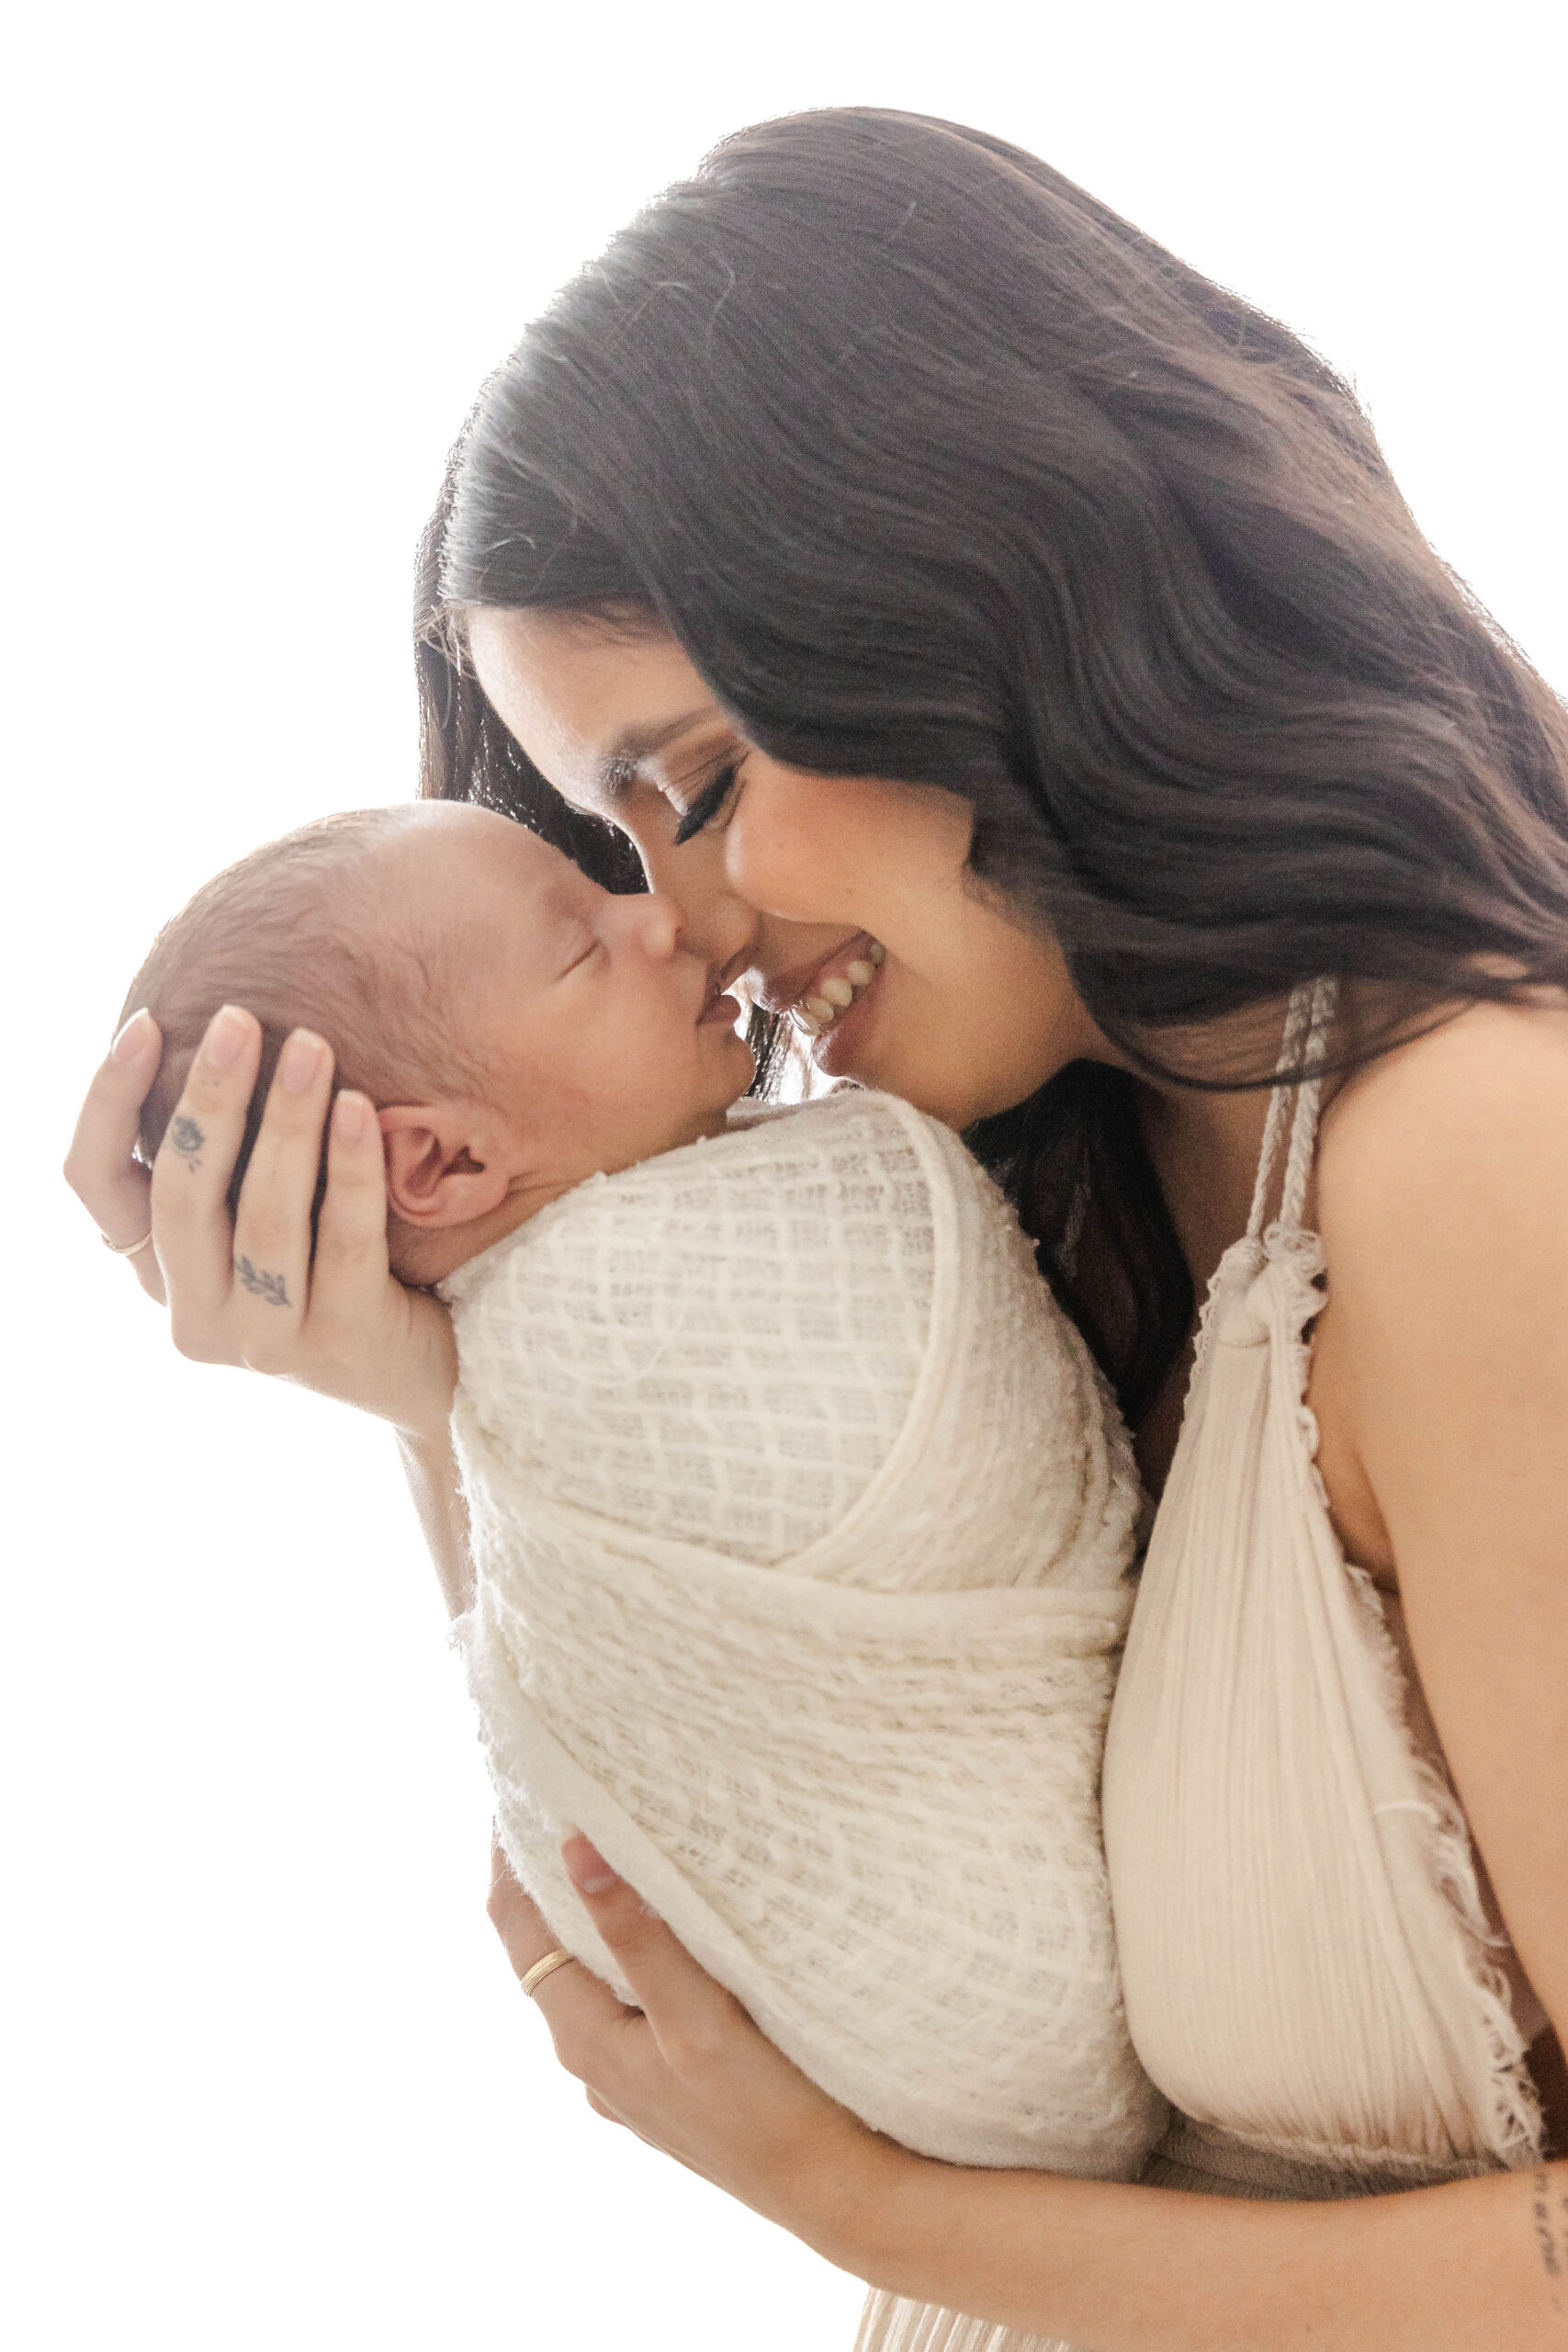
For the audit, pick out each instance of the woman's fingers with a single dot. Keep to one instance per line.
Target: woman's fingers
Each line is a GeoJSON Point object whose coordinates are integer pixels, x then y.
{"type": "Point", "coordinates": [245, 1290]}
{"type": "Point", "coordinates": [361, 1321]}
{"type": "Point", "coordinates": [350, 1272]}
{"type": "Point", "coordinates": [687, 2010]}
{"type": "Point", "coordinates": [687, 2070]}
{"type": "Point", "coordinates": [520, 1924]}
{"type": "Point", "coordinates": [113, 1188]}
{"type": "Point", "coordinates": [190, 1182]}
{"type": "Point", "coordinates": [577, 2009]}
{"type": "Point", "coordinates": [272, 1223]}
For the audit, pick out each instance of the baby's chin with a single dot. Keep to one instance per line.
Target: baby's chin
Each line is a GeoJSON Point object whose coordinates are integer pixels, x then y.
{"type": "Point", "coordinates": [708, 1118]}
{"type": "Point", "coordinates": [707, 1110]}
{"type": "Point", "coordinates": [733, 1079]}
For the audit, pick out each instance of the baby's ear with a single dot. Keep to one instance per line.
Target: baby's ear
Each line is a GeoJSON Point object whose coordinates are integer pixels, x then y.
{"type": "Point", "coordinates": [444, 1165]}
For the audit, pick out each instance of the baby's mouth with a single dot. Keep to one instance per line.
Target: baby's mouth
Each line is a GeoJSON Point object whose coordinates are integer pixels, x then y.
{"type": "Point", "coordinates": [716, 1005]}
{"type": "Point", "coordinates": [844, 976]}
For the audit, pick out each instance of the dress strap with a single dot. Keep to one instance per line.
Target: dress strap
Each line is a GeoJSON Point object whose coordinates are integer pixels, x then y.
{"type": "Point", "coordinates": [1302, 1047]}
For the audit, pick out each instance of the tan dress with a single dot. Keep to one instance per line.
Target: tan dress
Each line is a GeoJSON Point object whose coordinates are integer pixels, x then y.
{"type": "Point", "coordinates": [1307, 1965]}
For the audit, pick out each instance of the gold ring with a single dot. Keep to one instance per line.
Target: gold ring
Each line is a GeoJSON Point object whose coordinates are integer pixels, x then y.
{"type": "Point", "coordinates": [545, 1967]}
{"type": "Point", "coordinates": [128, 1249]}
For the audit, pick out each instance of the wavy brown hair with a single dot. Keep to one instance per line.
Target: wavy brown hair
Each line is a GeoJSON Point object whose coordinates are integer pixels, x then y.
{"type": "Point", "coordinates": [939, 469]}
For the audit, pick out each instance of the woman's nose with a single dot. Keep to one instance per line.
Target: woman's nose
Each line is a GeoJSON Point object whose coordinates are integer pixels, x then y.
{"type": "Point", "coordinates": [716, 923]}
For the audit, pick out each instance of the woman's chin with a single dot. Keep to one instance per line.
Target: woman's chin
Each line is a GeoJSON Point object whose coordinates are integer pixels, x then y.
{"type": "Point", "coordinates": [863, 1045]}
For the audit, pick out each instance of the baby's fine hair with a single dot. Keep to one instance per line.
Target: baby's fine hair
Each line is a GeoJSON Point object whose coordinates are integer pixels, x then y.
{"type": "Point", "coordinates": [303, 935]}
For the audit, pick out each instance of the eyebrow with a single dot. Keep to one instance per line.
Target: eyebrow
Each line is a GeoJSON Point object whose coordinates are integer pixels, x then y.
{"type": "Point", "coordinates": [620, 763]}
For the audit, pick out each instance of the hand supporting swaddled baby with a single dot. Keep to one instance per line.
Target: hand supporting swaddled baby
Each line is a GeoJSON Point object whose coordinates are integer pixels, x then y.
{"type": "Point", "coordinates": [801, 1520]}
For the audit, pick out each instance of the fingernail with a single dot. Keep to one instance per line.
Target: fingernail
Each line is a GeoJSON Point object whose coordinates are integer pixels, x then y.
{"type": "Point", "coordinates": [348, 1116]}
{"type": "Point", "coordinates": [225, 1037]}
{"type": "Point", "coordinates": [132, 1037]}
{"type": "Point", "coordinates": [300, 1061]}
{"type": "Point", "coordinates": [586, 1867]}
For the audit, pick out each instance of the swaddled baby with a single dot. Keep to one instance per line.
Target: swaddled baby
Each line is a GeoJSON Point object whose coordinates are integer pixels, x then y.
{"type": "Point", "coordinates": [800, 1517]}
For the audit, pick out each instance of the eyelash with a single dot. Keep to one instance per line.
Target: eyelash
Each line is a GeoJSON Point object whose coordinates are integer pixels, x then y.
{"type": "Point", "coordinates": [707, 804]}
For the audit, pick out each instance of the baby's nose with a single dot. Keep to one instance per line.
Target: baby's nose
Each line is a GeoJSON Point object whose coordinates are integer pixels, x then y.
{"type": "Point", "coordinates": [660, 922]}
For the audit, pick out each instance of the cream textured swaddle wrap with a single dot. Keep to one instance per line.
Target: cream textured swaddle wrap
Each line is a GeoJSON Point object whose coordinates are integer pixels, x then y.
{"type": "Point", "coordinates": [800, 1523]}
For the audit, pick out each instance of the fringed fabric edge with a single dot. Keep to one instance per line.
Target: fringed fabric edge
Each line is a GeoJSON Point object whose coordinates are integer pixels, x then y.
{"type": "Point", "coordinates": [1514, 2128]}
{"type": "Point", "coordinates": [893, 2324]}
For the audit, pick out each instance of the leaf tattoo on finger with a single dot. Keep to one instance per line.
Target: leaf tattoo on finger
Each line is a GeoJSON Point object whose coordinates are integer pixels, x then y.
{"type": "Point", "coordinates": [261, 1284]}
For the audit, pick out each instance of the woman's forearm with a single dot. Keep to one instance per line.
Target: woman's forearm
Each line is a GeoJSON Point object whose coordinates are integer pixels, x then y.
{"type": "Point", "coordinates": [1476, 2266]}
{"type": "Point", "coordinates": [431, 1471]}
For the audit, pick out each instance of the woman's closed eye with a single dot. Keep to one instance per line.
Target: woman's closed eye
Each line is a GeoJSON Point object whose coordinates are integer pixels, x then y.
{"type": "Point", "coordinates": [707, 805]}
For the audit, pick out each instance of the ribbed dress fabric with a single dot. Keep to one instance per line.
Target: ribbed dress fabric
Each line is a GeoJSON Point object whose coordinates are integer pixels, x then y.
{"type": "Point", "coordinates": [1306, 1964]}
{"type": "Point", "coordinates": [801, 1526]}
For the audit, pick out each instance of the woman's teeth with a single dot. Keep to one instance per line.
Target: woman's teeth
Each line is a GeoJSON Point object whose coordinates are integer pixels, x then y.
{"type": "Point", "coordinates": [822, 1007]}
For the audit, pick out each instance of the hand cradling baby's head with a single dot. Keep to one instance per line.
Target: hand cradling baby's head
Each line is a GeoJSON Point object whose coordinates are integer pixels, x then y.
{"type": "Point", "coordinates": [516, 1027]}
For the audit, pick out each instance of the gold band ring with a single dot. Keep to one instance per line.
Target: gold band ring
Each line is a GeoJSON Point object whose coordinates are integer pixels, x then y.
{"type": "Point", "coordinates": [128, 1249]}
{"type": "Point", "coordinates": [545, 1967]}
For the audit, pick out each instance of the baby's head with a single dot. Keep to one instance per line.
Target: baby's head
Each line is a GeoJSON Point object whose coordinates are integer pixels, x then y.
{"type": "Point", "coordinates": [518, 1027]}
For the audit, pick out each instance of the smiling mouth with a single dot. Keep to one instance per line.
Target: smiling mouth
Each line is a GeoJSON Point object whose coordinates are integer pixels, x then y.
{"type": "Point", "coordinates": [835, 984]}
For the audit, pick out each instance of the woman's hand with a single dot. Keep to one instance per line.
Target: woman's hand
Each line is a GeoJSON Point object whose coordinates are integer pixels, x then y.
{"type": "Point", "coordinates": [687, 2070]}
{"type": "Point", "coordinates": [114, 1188]}
{"type": "Point", "coordinates": [250, 1291]}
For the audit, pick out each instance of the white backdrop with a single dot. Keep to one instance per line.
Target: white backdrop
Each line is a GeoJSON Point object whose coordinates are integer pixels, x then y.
{"type": "Point", "coordinates": [270, 2080]}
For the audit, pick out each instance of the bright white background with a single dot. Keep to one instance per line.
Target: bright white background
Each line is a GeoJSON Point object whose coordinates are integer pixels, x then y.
{"type": "Point", "coordinates": [270, 2081]}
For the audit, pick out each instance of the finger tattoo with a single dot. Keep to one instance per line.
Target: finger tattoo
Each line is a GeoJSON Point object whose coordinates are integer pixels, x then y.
{"type": "Point", "coordinates": [261, 1284]}
{"type": "Point", "coordinates": [186, 1139]}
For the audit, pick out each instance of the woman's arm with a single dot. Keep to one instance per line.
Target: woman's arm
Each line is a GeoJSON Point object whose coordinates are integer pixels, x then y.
{"type": "Point", "coordinates": [1478, 2267]}
{"type": "Point", "coordinates": [431, 1468]}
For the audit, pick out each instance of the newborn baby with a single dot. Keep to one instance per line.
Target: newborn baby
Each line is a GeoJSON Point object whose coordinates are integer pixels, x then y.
{"type": "Point", "coordinates": [800, 1517]}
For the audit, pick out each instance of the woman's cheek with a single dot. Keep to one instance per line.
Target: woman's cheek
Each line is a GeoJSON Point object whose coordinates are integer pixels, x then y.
{"type": "Point", "coordinates": [842, 849]}
{"type": "Point", "coordinates": [785, 852]}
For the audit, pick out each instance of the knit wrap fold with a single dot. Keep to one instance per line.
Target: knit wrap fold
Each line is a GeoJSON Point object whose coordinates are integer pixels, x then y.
{"type": "Point", "coordinates": [801, 1521]}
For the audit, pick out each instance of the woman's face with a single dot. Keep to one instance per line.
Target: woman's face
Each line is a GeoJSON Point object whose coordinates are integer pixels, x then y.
{"type": "Point", "coordinates": [796, 882]}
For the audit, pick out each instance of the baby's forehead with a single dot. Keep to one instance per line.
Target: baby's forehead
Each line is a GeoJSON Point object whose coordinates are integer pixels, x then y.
{"type": "Point", "coordinates": [452, 836]}
{"type": "Point", "coordinates": [465, 867]}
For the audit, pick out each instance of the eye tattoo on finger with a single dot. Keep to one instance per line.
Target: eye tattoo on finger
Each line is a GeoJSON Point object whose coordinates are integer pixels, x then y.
{"type": "Point", "coordinates": [186, 1139]}
{"type": "Point", "coordinates": [261, 1284]}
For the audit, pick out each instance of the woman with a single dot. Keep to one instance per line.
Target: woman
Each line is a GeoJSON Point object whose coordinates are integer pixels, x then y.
{"type": "Point", "coordinates": [895, 546]}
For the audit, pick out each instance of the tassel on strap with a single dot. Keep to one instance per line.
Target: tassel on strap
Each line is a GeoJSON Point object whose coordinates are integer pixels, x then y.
{"type": "Point", "coordinates": [892, 2324]}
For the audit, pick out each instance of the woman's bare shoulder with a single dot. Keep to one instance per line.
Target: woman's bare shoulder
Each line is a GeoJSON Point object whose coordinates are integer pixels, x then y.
{"type": "Point", "coordinates": [1464, 1121]}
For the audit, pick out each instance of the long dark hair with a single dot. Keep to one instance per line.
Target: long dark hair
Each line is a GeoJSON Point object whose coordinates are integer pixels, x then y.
{"type": "Point", "coordinates": [938, 469]}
